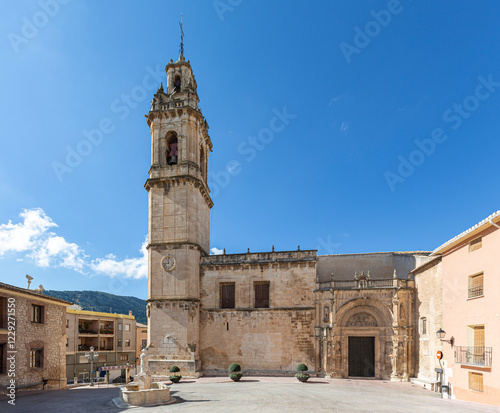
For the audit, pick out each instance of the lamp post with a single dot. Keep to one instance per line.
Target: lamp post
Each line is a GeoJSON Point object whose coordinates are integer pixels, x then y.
{"type": "Point", "coordinates": [441, 334]}
{"type": "Point", "coordinates": [91, 355]}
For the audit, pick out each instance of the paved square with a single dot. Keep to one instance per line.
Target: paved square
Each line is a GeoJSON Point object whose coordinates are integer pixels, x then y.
{"type": "Point", "coordinates": [259, 395]}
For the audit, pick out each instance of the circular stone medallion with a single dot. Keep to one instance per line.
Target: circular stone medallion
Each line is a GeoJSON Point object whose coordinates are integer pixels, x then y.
{"type": "Point", "coordinates": [168, 263]}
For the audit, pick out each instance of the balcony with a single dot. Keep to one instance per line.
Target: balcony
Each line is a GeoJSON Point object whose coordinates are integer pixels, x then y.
{"type": "Point", "coordinates": [83, 347]}
{"type": "Point", "coordinates": [106, 348]}
{"type": "Point", "coordinates": [108, 331]}
{"type": "Point", "coordinates": [86, 331]}
{"type": "Point", "coordinates": [474, 356]}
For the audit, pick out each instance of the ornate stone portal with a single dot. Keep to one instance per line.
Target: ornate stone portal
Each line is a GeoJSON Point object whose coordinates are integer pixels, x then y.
{"type": "Point", "coordinates": [369, 334]}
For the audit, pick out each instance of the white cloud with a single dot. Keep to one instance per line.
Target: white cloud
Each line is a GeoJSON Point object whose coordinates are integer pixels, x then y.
{"type": "Point", "coordinates": [32, 238]}
{"type": "Point", "coordinates": [129, 268]}
{"type": "Point", "coordinates": [216, 251]}
{"type": "Point", "coordinates": [24, 236]}
{"type": "Point", "coordinates": [56, 251]}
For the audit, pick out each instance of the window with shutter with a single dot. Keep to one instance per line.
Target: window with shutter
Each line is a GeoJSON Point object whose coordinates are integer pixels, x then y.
{"type": "Point", "coordinates": [476, 381]}
{"type": "Point", "coordinates": [476, 285]}
{"type": "Point", "coordinates": [475, 244]}
{"type": "Point", "coordinates": [227, 295]}
{"type": "Point", "coordinates": [261, 290]}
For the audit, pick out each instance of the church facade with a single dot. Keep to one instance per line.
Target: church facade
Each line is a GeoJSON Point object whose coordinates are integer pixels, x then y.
{"type": "Point", "coordinates": [342, 315]}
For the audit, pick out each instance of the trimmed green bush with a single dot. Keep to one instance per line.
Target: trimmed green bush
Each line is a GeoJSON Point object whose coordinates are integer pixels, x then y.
{"type": "Point", "coordinates": [174, 369]}
{"type": "Point", "coordinates": [234, 368]}
{"type": "Point", "coordinates": [302, 367]}
{"type": "Point", "coordinates": [235, 376]}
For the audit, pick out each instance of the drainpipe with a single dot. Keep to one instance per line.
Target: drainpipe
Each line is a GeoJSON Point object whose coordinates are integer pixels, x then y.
{"type": "Point", "coordinates": [492, 223]}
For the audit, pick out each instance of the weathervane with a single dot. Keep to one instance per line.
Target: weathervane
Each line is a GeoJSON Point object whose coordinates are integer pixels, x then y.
{"type": "Point", "coordinates": [181, 48]}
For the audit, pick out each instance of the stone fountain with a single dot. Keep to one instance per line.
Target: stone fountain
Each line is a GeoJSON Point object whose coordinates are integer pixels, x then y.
{"type": "Point", "coordinates": [141, 392]}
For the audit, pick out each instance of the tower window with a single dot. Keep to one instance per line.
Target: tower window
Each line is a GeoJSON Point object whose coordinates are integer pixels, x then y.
{"type": "Point", "coordinates": [177, 84]}
{"type": "Point", "coordinates": [172, 151]}
{"type": "Point", "coordinates": [202, 163]}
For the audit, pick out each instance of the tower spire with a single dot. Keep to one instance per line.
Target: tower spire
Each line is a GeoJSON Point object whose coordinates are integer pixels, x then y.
{"type": "Point", "coordinates": [181, 47]}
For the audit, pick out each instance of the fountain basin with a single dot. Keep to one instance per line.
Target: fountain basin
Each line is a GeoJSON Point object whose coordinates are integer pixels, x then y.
{"type": "Point", "coordinates": [158, 394]}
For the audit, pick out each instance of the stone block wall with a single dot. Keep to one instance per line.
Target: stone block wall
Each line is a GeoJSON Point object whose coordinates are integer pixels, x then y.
{"type": "Point", "coordinates": [274, 339]}
{"type": "Point", "coordinates": [50, 335]}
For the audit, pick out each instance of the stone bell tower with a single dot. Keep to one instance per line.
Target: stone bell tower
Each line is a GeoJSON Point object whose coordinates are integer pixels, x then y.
{"type": "Point", "coordinates": [179, 221]}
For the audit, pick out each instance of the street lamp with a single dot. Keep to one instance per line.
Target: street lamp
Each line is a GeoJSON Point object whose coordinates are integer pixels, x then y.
{"type": "Point", "coordinates": [441, 334]}
{"type": "Point", "coordinates": [91, 355]}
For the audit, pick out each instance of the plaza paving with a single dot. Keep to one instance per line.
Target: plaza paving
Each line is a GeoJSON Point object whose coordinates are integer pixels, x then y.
{"type": "Point", "coordinates": [256, 394]}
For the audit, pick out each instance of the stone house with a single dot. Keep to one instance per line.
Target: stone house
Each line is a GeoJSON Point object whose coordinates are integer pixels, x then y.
{"type": "Point", "coordinates": [428, 319]}
{"type": "Point", "coordinates": [32, 325]}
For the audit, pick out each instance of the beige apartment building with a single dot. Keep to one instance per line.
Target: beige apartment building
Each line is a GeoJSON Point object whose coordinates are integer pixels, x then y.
{"type": "Point", "coordinates": [32, 339]}
{"type": "Point", "coordinates": [141, 339]}
{"type": "Point", "coordinates": [471, 315]}
{"type": "Point", "coordinates": [113, 337]}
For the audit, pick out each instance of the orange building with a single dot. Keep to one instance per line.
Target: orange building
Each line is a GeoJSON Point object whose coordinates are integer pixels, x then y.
{"type": "Point", "coordinates": [471, 312]}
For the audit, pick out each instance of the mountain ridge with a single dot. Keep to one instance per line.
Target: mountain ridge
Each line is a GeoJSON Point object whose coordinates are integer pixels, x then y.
{"type": "Point", "coordinates": [104, 302]}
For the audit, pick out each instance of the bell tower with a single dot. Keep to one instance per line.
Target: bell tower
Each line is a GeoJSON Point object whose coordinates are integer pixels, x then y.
{"type": "Point", "coordinates": [179, 221]}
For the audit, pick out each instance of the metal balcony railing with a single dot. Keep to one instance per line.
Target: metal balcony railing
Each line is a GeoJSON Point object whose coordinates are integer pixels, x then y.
{"type": "Point", "coordinates": [86, 331]}
{"type": "Point", "coordinates": [474, 356]}
{"type": "Point", "coordinates": [476, 291]}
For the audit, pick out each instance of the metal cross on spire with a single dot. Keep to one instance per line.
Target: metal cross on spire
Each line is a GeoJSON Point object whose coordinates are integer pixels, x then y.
{"type": "Point", "coordinates": [181, 48]}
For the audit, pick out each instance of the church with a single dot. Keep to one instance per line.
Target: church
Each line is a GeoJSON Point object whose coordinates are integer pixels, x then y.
{"type": "Point", "coordinates": [347, 315]}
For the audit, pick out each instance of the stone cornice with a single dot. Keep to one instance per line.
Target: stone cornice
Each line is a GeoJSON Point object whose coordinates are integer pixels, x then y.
{"type": "Point", "coordinates": [174, 109]}
{"type": "Point", "coordinates": [177, 244]}
{"type": "Point", "coordinates": [175, 180]}
{"type": "Point", "coordinates": [259, 258]}
{"type": "Point", "coordinates": [218, 310]}
{"type": "Point", "coordinates": [163, 299]}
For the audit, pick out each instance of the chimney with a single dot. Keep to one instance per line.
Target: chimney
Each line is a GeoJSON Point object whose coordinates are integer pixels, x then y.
{"type": "Point", "coordinates": [129, 312]}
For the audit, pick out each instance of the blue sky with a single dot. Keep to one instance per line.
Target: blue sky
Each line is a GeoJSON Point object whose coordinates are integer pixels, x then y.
{"type": "Point", "coordinates": [390, 141]}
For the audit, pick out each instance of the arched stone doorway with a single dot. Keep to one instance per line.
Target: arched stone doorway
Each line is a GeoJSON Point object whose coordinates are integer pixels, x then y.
{"type": "Point", "coordinates": [362, 338]}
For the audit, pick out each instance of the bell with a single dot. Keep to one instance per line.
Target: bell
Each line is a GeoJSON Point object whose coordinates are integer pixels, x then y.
{"type": "Point", "coordinates": [172, 160]}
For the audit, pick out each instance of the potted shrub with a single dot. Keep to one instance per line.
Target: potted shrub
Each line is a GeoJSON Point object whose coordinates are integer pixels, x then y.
{"type": "Point", "coordinates": [302, 376]}
{"type": "Point", "coordinates": [174, 378]}
{"type": "Point", "coordinates": [234, 372]}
